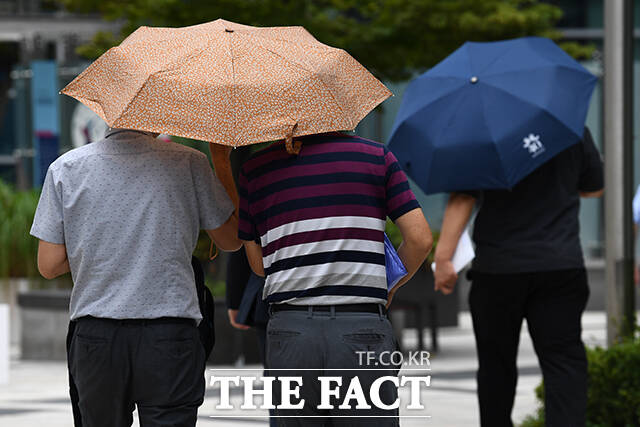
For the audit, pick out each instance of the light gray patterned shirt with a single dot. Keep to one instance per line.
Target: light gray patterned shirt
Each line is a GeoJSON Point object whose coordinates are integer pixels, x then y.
{"type": "Point", "coordinates": [129, 209]}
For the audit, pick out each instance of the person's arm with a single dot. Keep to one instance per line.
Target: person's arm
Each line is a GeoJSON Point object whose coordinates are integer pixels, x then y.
{"type": "Point", "coordinates": [216, 204]}
{"type": "Point", "coordinates": [456, 216]}
{"type": "Point", "coordinates": [254, 255]}
{"type": "Point", "coordinates": [591, 178]}
{"type": "Point", "coordinates": [52, 260]}
{"type": "Point", "coordinates": [237, 277]}
{"type": "Point", "coordinates": [591, 194]}
{"type": "Point", "coordinates": [405, 212]}
{"type": "Point", "coordinates": [222, 165]}
{"type": "Point", "coordinates": [238, 273]}
{"type": "Point", "coordinates": [233, 314]}
{"type": "Point", "coordinates": [247, 230]}
{"type": "Point", "coordinates": [416, 245]}
{"type": "Point", "coordinates": [226, 236]}
{"type": "Point", "coordinates": [48, 227]}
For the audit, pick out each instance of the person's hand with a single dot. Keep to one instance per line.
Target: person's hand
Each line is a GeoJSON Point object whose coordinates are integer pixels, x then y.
{"type": "Point", "coordinates": [232, 320]}
{"type": "Point", "coordinates": [390, 297]}
{"type": "Point", "coordinates": [445, 277]}
{"type": "Point", "coordinates": [391, 293]}
{"type": "Point", "coordinates": [636, 274]}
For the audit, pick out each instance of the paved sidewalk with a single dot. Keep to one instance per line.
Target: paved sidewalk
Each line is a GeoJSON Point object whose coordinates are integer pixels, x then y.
{"type": "Point", "coordinates": [37, 393]}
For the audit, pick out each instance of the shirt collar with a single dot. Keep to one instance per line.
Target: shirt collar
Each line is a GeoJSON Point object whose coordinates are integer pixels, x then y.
{"type": "Point", "coordinates": [114, 131]}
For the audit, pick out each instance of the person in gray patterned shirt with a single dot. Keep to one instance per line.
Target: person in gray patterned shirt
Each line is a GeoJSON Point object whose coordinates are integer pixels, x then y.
{"type": "Point", "coordinates": [123, 216]}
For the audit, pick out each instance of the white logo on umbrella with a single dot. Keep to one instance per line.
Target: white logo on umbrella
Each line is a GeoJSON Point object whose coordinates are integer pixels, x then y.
{"type": "Point", "coordinates": [534, 145]}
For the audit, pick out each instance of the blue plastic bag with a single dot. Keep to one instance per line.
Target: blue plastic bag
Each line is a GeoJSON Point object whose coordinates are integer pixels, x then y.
{"type": "Point", "coordinates": [395, 268]}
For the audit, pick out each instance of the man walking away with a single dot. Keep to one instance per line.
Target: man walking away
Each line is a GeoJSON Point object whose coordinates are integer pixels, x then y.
{"type": "Point", "coordinates": [528, 265]}
{"type": "Point", "coordinates": [313, 226]}
{"type": "Point", "coordinates": [123, 216]}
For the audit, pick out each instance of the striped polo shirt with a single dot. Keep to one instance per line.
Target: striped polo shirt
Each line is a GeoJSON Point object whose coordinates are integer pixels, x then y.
{"type": "Point", "coordinates": [320, 217]}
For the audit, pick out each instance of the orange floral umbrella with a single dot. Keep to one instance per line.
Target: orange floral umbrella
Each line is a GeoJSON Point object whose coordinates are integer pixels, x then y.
{"type": "Point", "coordinates": [228, 83]}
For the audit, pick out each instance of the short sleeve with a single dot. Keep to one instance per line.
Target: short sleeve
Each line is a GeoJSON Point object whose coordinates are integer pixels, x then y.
{"type": "Point", "coordinates": [214, 205]}
{"type": "Point", "coordinates": [591, 170]}
{"type": "Point", "coordinates": [399, 197]}
{"type": "Point", "coordinates": [48, 222]}
{"type": "Point", "coordinates": [246, 226]}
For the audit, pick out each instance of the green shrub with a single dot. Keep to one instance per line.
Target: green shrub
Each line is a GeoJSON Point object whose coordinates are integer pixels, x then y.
{"type": "Point", "coordinates": [613, 398]}
{"type": "Point", "coordinates": [18, 249]}
{"type": "Point", "coordinates": [614, 385]}
{"type": "Point", "coordinates": [536, 420]}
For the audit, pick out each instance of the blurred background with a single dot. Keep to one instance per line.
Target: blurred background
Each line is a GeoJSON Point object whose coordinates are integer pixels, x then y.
{"type": "Point", "coordinates": [44, 44]}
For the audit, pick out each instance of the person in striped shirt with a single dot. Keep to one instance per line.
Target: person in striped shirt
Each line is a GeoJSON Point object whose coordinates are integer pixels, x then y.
{"type": "Point", "coordinates": [312, 224]}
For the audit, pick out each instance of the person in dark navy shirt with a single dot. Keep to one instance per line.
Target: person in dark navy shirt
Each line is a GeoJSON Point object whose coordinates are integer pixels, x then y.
{"type": "Point", "coordinates": [528, 265]}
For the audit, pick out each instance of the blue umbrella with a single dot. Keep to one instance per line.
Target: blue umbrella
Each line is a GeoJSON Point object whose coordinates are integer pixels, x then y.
{"type": "Point", "coordinates": [490, 113]}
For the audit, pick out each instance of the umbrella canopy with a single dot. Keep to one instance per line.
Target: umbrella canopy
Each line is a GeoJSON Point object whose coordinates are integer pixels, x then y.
{"type": "Point", "coordinates": [228, 83]}
{"type": "Point", "coordinates": [491, 113]}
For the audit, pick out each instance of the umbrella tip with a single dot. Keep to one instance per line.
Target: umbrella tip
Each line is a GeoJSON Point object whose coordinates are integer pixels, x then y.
{"type": "Point", "coordinates": [473, 80]}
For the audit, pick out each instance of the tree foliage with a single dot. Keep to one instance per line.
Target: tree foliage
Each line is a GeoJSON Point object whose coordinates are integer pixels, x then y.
{"type": "Point", "coordinates": [392, 38]}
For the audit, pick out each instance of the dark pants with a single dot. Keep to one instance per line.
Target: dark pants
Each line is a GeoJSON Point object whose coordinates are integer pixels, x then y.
{"type": "Point", "coordinates": [552, 302]}
{"type": "Point", "coordinates": [322, 341]}
{"type": "Point", "coordinates": [156, 365]}
{"type": "Point", "coordinates": [261, 333]}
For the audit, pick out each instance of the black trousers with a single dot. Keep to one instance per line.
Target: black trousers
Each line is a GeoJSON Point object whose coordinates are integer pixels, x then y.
{"type": "Point", "coordinates": [156, 365]}
{"type": "Point", "coordinates": [552, 302]}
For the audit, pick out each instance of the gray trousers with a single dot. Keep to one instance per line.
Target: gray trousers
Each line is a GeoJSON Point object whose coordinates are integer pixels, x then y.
{"type": "Point", "coordinates": [322, 341]}
{"type": "Point", "coordinates": [157, 365]}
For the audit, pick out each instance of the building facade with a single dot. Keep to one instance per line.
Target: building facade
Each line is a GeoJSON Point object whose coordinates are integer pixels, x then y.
{"type": "Point", "coordinates": [36, 30]}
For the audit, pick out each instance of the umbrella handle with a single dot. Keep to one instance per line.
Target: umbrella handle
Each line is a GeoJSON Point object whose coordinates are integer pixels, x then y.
{"type": "Point", "coordinates": [212, 255]}
{"type": "Point", "coordinates": [293, 147]}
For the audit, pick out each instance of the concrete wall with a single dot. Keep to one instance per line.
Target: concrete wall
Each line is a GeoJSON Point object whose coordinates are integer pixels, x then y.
{"type": "Point", "coordinates": [9, 290]}
{"type": "Point", "coordinates": [44, 318]}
